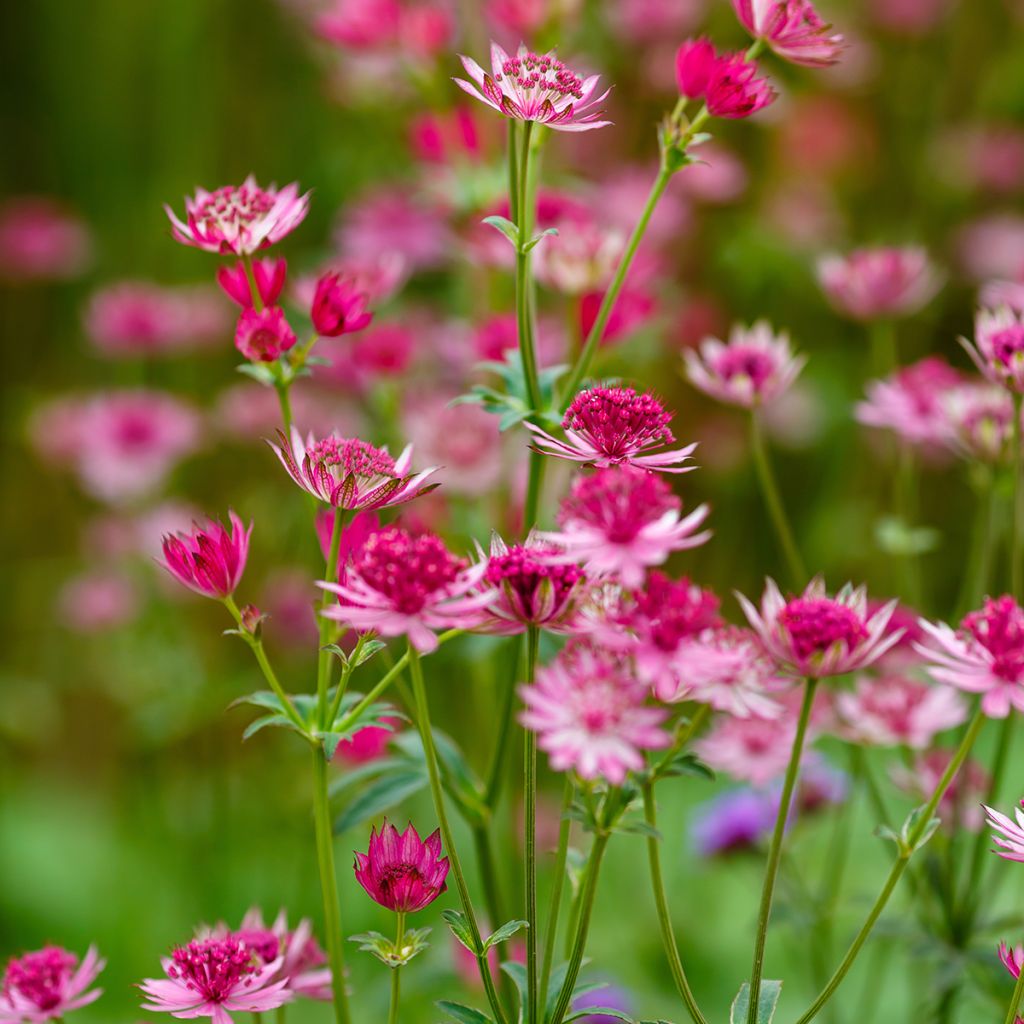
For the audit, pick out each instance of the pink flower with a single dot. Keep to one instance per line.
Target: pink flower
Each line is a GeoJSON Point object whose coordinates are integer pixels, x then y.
{"type": "Point", "coordinates": [400, 871]}
{"type": "Point", "coordinates": [792, 28]}
{"type": "Point", "coordinates": [897, 710]}
{"type": "Point", "coordinates": [996, 294]}
{"type": "Point", "coordinates": [367, 744]}
{"type": "Point", "coordinates": [588, 711]}
{"type": "Point", "coordinates": [1011, 839]}
{"type": "Point", "coordinates": [239, 219]}
{"type": "Point", "coordinates": [733, 90]}
{"type": "Point", "coordinates": [632, 309]}
{"type": "Point", "coordinates": [992, 246]}
{"type": "Point", "coordinates": [401, 585]}
{"type": "Point", "coordinates": [718, 177]}
{"type": "Point", "coordinates": [615, 427]}
{"type": "Point", "coordinates": [695, 60]}
{"type": "Point", "coordinates": [40, 240]}
{"type": "Point", "coordinates": [263, 336]}
{"type": "Point", "coordinates": [622, 521]}
{"type": "Point", "coordinates": [960, 806]}
{"type": "Point", "coordinates": [817, 635]}
{"type": "Point", "coordinates": [98, 601]}
{"type": "Point", "coordinates": [873, 284]}
{"type": "Point", "coordinates": [986, 655]}
{"type": "Point", "coordinates": [998, 349]}
{"type": "Point", "coordinates": [391, 221]}
{"type": "Point", "coordinates": [209, 560]}
{"type": "Point", "coordinates": [580, 258]}
{"type": "Point", "coordinates": [755, 366]}
{"type": "Point", "coordinates": [339, 307]}
{"type": "Point", "coordinates": [1012, 958]}
{"type": "Point", "coordinates": [269, 274]}
{"type": "Point", "coordinates": [350, 474]}
{"type": "Point", "coordinates": [48, 983]}
{"type": "Point", "coordinates": [361, 24]}
{"type": "Point", "coordinates": [980, 419]}
{"type": "Point", "coordinates": [215, 978]}
{"type": "Point", "coordinates": [754, 750]}
{"type": "Point", "coordinates": [449, 138]}
{"type": "Point", "coordinates": [535, 87]}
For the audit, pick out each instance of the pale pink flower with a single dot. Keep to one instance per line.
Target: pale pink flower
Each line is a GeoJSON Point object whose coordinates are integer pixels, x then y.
{"type": "Point", "coordinates": [755, 366]}
{"type": "Point", "coordinates": [986, 655]}
{"type": "Point", "coordinates": [535, 87]}
{"type": "Point", "coordinates": [215, 978]}
{"type": "Point", "coordinates": [873, 284]}
{"type": "Point", "coordinates": [620, 198]}
{"type": "Point", "coordinates": [246, 410]}
{"type": "Point", "coordinates": [616, 427]}
{"type": "Point", "coordinates": [998, 349]}
{"type": "Point", "coordinates": [984, 156]}
{"type": "Point", "coordinates": [581, 258]}
{"type": "Point", "coordinates": [390, 221]}
{"type": "Point", "coordinates": [997, 294]}
{"type": "Point", "coordinates": [589, 714]}
{"type": "Point", "coordinates": [792, 29]}
{"type": "Point", "coordinates": [993, 246]}
{"type": "Point", "coordinates": [622, 521]}
{"type": "Point", "coordinates": [97, 601]}
{"type": "Point", "coordinates": [654, 21]}
{"type": "Point", "coordinates": [751, 749]}
{"type": "Point", "coordinates": [1011, 839]}
{"type": "Point", "coordinates": [209, 560]}
{"type": "Point", "coordinates": [980, 419]}
{"type": "Point", "coordinates": [48, 983]}
{"type": "Point", "coordinates": [264, 335]}
{"type": "Point", "coordinates": [361, 24]}
{"type": "Point", "coordinates": [239, 219]}
{"type": "Point", "coordinates": [817, 635]}
{"type": "Point", "coordinates": [268, 273]}
{"type": "Point", "coordinates": [733, 89]}
{"type": "Point", "coordinates": [367, 744]}
{"type": "Point", "coordinates": [40, 240]}
{"type": "Point", "coordinates": [960, 807]}
{"type": "Point", "coordinates": [448, 138]}
{"type": "Point", "coordinates": [717, 176]}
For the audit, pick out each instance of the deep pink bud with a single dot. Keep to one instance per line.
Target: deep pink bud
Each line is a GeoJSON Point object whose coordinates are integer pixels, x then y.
{"type": "Point", "coordinates": [263, 336]}
{"type": "Point", "coordinates": [209, 561]}
{"type": "Point", "coordinates": [695, 60]}
{"type": "Point", "coordinates": [401, 871]}
{"type": "Point", "coordinates": [733, 91]}
{"type": "Point", "coordinates": [338, 307]}
{"type": "Point", "coordinates": [269, 274]}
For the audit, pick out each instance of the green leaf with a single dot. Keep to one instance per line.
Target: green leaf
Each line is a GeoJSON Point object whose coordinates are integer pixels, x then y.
{"type": "Point", "coordinates": [259, 372]}
{"type": "Point", "coordinates": [537, 239]}
{"type": "Point", "coordinates": [637, 828]}
{"type": "Point", "coordinates": [259, 699]}
{"type": "Point", "coordinates": [463, 1014]}
{"type": "Point", "coordinates": [505, 226]}
{"type": "Point", "coordinates": [380, 796]}
{"type": "Point", "coordinates": [687, 764]}
{"type": "Point", "coordinates": [767, 1000]}
{"type": "Point", "coordinates": [459, 926]}
{"type": "Point", "coordinates": [598, 1011]}
{"type": "Point", "coordinates": [895, 537]}
{"type": "Point", "coordinates": [517, 972]}
{"type": "Point", "coordinates": [277, 721]}
{"type": "Point", "coordinates": [558, 976]}
{"type": "Point", "coordinates": [506, 931]}
{"type": "Point", "coordinates": [360, 773]}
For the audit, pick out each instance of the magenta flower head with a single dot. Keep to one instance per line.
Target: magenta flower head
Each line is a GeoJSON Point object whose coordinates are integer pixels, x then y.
{"type": "Point", "coordinates": [269, 274]}
{"type": "Point", "coordinates": [621, 521]}
{"type": "Point", "coordinates": [589, 713]}
{"type": "Point", "coordinates": [401, 585]}
{"type": "Point", "coordinates": [986, 655]}
{"type": "Point", "coordinates": [210, 560]}
{"type": "Point", "coordinates": [695, 60]}
{"type": "Point", "coordinates": [734, 91]}
{"type": "Point", "coordinates": [1012, 958]}
{"type": "Point", "coordinates": [215, 978]}
{"type": "Point", "coordinates": [753, 368]}
{"type": "Point", "coordinates": [998, 349]}
{"type": "Point", "coordinates": [351, 474]}
{"type": "Point", "coordinates": [874, 284]}
{"type": "Point", "coordinates": [48, 983]}
{"type": "Point", "coordinates": [263, 336]}
{"type": "Point", "coordinates": [614, 427]}
{"type": "Point", "coordinates": [400, 871]}
{"type": "Point", "coordinates": [339, 307]}
{"type": "Point", "coordinates": [817, 635]}
{"type": "Point", "coordinates": [535, 87]}
{"type": "Point", "coordinates": [792, 28]}
{"type": "Point", "coordinates": [1010, 838]}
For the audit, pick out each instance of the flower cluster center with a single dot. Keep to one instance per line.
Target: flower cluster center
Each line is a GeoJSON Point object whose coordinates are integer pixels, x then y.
{"type": "Point", "coordinates": [618, 502]}
{"type": "Point", "coordinates": [39, 977]}
{"type": "Point", "coordinates": [521, 570]}
{"type": "Point", "coordinates": [406, 569]}
{"type": "Point", "coordinates": [352, 456]}
{"type": "Point", "coordinates": [745, 361]}
{"type": "Point", "coordinates": [999, 628]}
{"type": "Point", "coordinates": [542, 72]}
{"type": "Point", "coordinates": [815, 624]}
{"type": "Point", "coordinates": [618, 421]}
{"type": "Point", "coordinates": [213, 968]}
{"type": "Point", "coordinates": [231, 205]}
{"type": "Point", "coordinates": [672, 610]}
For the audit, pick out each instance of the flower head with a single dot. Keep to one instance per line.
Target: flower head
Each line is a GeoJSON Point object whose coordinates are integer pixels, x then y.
{"type": "Point", "coordinates": [1011, 834]}
{"type": "Point", "coordinates": [817, 635]}
{"type": "Point", "coordinates": [734, 90]}
{"type": "Point", "coordinates": [48, 983]}
{"type": "Point", "coordinates": [754, 367]}
{"type": "Point", "coordinates": [535, 87]}
{"type": "Point", "coordinates": [400, 871]}
{"type": "Point", "coordinates": [41, 240]}
{"type": "Point", "coordinates": [210, 560]}
{"type": "Point", "coordinates": [339, 307]}
{"type": "Point", "coordinates": [792, 28]}
{"type": "Point", "coordinates": [739, 819]}
{"type": "Point", "coordinates": [621, 521]}
{"type": "Point", "coordinates": [980, 417]}
{"type": "Point", "coordinates": [695, 60]}
{"type": "Point", "coordinates": [998, 349]}
{"type": "Point", "coordinates": [872, 284]}
{"type": "Point", "coordinates": [239, 219]}
{"type": "Point", "coordinates": [269, 275]}
{"type": "Point", "coordinates": [614, 427]}
{"type": "Point", "coordinates": [264, 335]}
{"type": "Point", "coordinates": [588, 711]}
{"type": "Point", "coordinates": [1012, 958]}
{"type": "Point", "coordinates": [754, 750]}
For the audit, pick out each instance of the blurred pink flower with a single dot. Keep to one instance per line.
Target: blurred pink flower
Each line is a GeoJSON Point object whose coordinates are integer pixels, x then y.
{"type": "Point", "coordinates": [729, 669]}
{"type": "Point", "coordinates": [989, 157]}
{"type": "Point", "coordinates": [992, 246]}
{"type": "Point", "coordinates": [209, 560]}
{"type": "Point", "coordinates": [40, 240]}
{"type": "Point", "coordinates": [733, 90]}
{"type": "Point", "coordinates": [339, 307]}
{"type": "Point", "coordinates": [792, 28]}
{"type": "Point", "coordinates": [48, 983]}
{"type": "Point", "coordinates": [751, 749]}
{"type": "Point", "coordinates": [980, 419]}
{"type": "Point", "coordinates": [581, 258]}
{"type": "Point", "coordinates": [717, 176]}
{"type": "Point", "coordinates": [265, 335]}
{"type": "Point", "coordinates": [389, 221]}
{"type": "Point", "coordinates": [401, 871]}
{"type": "Point", "coordinates": [287, 597]}
{"type": "Point", "coordinates": [361, 24]}
{"type": "Point", "coordinates": [268, 273]}
{"type": "Point", "coordinates": [97, 601]}
{"type": "Point", "coordinates": [1011, 839]}
{"type": "Point", "coordinates": [872, 284]}
{"type": "Point", "coordinates": [633, 308]}
{"type": "Point", "coordinates": [996, 294]}
{"type": "Point", "coordinates": [960, 806]}
{"type": "Point", "coordinates": [448, 138]}
{"type": "Point", "coordinates": [247, 411]}
{"type": "Point", "coordinates": [998, 349]}
{"type": "Point", "coordinates": [367, 744]}
{"type": "Point", "coordinates": [652, 21]}
{"type": "Point", "coordinates": [619, 200]}
{"type": "Point", "coordinates": [908, 17]}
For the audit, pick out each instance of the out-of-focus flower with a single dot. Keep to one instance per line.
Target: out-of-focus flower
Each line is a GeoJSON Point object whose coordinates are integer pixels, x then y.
{"type": "Point", "coordinates": [400, 585]}
{"type": "Point", "coordinates": [654, 21]}
{"type": "Point", "coordinates": [997, 294]}
{"type": "Point", "coordinates": [992, 247]}
{"type": "Point", "coordinates": [908, 17]}
{"type": "Point", "coordinates": [247, 409]}
{"type": "Point", "coordinates": [361, 24]}
{"type": "Point", "coordinates": [960, 806]}
{"type": "Point", "coordinates": [817, 635]}
{"type": "Point", "coordinates": [97, 601]}
{"type": "Point", "coordinates": [622, 521]}
{"type": "Point", "coordinates": [695, 60]}
{"type": "Point", "coordinates": [209, 560]}
{"type": "Point", "coordinates": [728, 669]}
{"type": "Point", "coordinates": [998, 349]}
{"type": "Point", "coordinates": [616, 427]}
{"type": "Point", "coordinates": [535, 87]}
{"type": "Point", "coordinates": [367, 744]}
{"type": "Point", "coordinates": [239, 219]}
{"type": "Point", "coordinates": [48, 983]}
{"type": "Point", "coordinates": [911, 402]}
{"type": "Point", "coordinates": [755, 366]}
{"type": "Point", "coordinates": [986, 655]}
{"type": "Point", "coordinates": [980, 419]}
{"type": "Point", "coordinates": [734, 90]}
{"type": "Point", "coordinates": [389, 222]}
{"type": "Point", "coordinates": [581, 258]}
{"type": "Point", "coordinates": [338, 307]}
{"type": "Point", "coordinates": [264, 335]}
{"type": "Point", "coordinates": [40, 240]}
{"type": "Point", "coordinates": [754, 750]}
{"type": "Point", "coordinates": [400, 871]}
{"type": "Point", "coordinates": [269, 274]}
{"type": "Point", "coordinates": [823, 134]}
{"type": "Point", "coordinates": [588, 711]}
{"type": "Point", "coordinates": [717, 176]}
{"type": "Point", "coordinates": [874, 284]}
{"type": "Point", "coordinates": [610, 997]}
{"type": "Point", "coordinates": [446, 138]}
{"type": "Point", "coordinates": [792, 29]}
{"type": "Point", "coordinates": [633, 308]}
{"type": "Point", "coordinates": [737, 820]}
{"type": "Point", "coordinates": [1010, 838]}
{"type": "Point", "coordinates": [215, 978]}
{"type": "Point", "coordinates": [988, 157]}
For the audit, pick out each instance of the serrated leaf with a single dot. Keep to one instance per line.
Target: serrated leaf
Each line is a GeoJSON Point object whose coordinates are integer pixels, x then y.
{"type": "Point", "coordinates": [558, 976]}
{"type": "Point", "coordinates": [505, 226]}
{"type": "Point", "coordinates": [598, 1011]}
{"type": "Point", "coordinates": [463, 1014]}
{"type": "Point", "coordinates": [259, 699]}
{"type": "Point", "coordinates": [767, 1000]}
{"type": "Point", "coordinates": [459, 926]}
{"type": "Point", "coordinates": [276, 721]}
{"type": "Point", "coordinates": [380, 796]}
{"type": "Point", "coordinates": [365, 651]}
{"type": "Point", "coordinates": [637, 828]}
{"type": "Point", "coordinates": [506, 931]}
{"type": "Point", "coordinates": [356, 774]}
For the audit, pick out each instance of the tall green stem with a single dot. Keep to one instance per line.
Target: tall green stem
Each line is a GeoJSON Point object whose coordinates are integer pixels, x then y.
{"type": "Point", "coordinates": [561, 858]}
{"type": "Point", "coordinates": [775, 850]}
{"type": "Point", "coordinates": [524, 318]}
{"type": "Point", "coordinates": [396, 977]}
{"type": "Point", "coordinates": [250, 275]}
{"type": "Point", "coordinates": [530, 812]}
{"type": "Point", "coordinates": [323, 668]}
{"type": "Point", "coordinates": [496, 770]}
{"type": "Point", "coordinates": [1018, 991]}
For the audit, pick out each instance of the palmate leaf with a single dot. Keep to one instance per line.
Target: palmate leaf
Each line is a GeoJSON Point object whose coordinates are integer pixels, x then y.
{"type": "Point", "coordinates": [767, 1000]}
{"type": "Point", "coordinates": [459, 926]}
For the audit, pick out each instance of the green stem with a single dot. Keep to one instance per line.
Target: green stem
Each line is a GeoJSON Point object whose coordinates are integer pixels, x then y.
{"type": "Point", "coordinates": [496, 771]}
{"type": "Point", "coordinates": [285, 403]}
{"type": "Point", "coordinates": [524, 318]}
{"type": "Point", "coordinates": [1017, 525]}
{"type": "Point", "coordinates": [534, 486]}
{"type": "Point", "coordinates": [513, 171]}
{"type": "Point", "coordinates": [530, 812]}
{"type": "Point", "coordinates": [984, 534]}
{"type": "Point", "coordinates": [254, 291]}
{"type": "Point", "coordinates": [883, 347]}
{"type": "Point", "coordinates": [281, 1014]}
{"type": "Point", "coordinates": [346, 674]}
{"type": "Point", "coordinates": [683, 737]}
{"type": "Point", "coordinates": [1018, 991]}
{"type": "Point", "coordinates": [906, 851]}
{"type": "Point", "coordinates": [488, 877]}
{"type": "Point", "coordinates": [561, 858]}
{"type": "Point", "coordinates": [396, 977]}
{"type": "Point", "coordinates": [323, 668]}
{"type": "Point", "coordinates": [773, 500]}
{"type": "Point", "coordinates": [775, 850]}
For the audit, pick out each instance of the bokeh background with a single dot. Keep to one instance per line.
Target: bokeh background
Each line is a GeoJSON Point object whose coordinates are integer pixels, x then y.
{"type": "Point", "coordinates": [130, 809]}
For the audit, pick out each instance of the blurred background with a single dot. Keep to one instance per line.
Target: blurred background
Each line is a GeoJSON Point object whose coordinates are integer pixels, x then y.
{"type": "Point", "coordinates": [130, 808]}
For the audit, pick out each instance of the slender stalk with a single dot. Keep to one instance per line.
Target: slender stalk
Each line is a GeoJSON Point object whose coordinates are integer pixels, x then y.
{"type": "Point", "coordinates": [323, 668]}
{"type": "Point", "coordinates": [496, 770]}
{"type": "Point", "coordinates": [776, 509]}
{"type": "Point", "coordinates": [513, 170]}
{"type": "Point", "coordinates": [284, 401]}
{"type": "Point", "coordinates": [668, 938]}
{"type": "Point", "coordinates": [281, 1014]}
{"type": "Point", "coordinates": [984, 534]}
{"type": "Point", "coordinates": [902, 860]}
{"type": "Point", "coordinates": [530, 813]}
{"type": "Point", "coordinates": [488, 878]}
{"type": "Point", "coordinates": [534, 486]}
{"type": "Point", "coordinates": [524, 319]}
{"type": "Point", "coordinates": [396, 977]}
{"type": "Point", "coordinates": [1017, 525]}
{"type": "Point", "coordinates": [683, 737]}
{"type": "Point", "coordinates": [775, 850]}
{"type": "Point", "coordinates": [561, 857]}
{"type": "Point", "coordinates": [254, 291]}
{"type": "Point", "coordinates": [346, 675]}
{"type": "Point", "coordinates": [1018, 991]}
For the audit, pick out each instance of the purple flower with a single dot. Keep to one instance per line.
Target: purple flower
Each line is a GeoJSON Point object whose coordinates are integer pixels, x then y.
{"type": "Point", "coordinates": [738, 819]}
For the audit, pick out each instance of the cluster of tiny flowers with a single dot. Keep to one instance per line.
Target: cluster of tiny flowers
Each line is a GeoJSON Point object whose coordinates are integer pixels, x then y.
{"type": "Point", "coordinates": [998, 349]}
{"type": "Point", "coordinates": [727, 82]}
{"type": "Point", "coordinates": [48, 983]}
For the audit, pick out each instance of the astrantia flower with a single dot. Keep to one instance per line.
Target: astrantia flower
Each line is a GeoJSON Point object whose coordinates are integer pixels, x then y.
{"type": "Point", "coordinates": [367, 744]}
{"type": "Point", "coordinates": [986, 655]}
{"type": "Point", "coordinates": [264, 335]}
{"type": "Point", "coordinates": [754, 367]}
{"type": "Point", "coordinates": [1011, 835]}
{"type": "Point", "coordinates": [339, 307]}
{"type": "Point", "coordinates": [210, 560]}
{"type": "Point", "coordinates": [401, 585]}
{"type": "Point", "coordinates": [754, 750]}
{"type": "Point", "coordinates": [792, 28]}
{"type": "Point", "coordinates": [872, 284]}
{"type": "Point", "coordinates": [817, 635]}
{"type": "Point", "coordinates": [613, 427]}
{"type": "Point", "coordinates": [48, 983]}
{"type": "Point", "coordinates": [998, 349]}
{"type": "Point", "coordinates": [41, 240]}
{"type": "Point", "coordinates": [350, 474]}
{"type": "Point", "coordinates": [400, 871]}
{"type": "Point", "coordinates": [269, 275]}
{"type": "Point", "coordinates": [239, 219]}
{"type": "Point", "coordinates": [621, 521]}
{"type": "Point", "coordinates": [734, 90]}
{"type": "Point", "coordinates": [535, 87]}
{"type": "Point", "coordinates": [215, 978]}
{"type": "Point", "coordinates": [588, 711]}
{"type": "Point", "coordinates": [739, 819]}
{"type": "Point", "coordinates": [980, 419]}
{"type": "Point", "coordinates": [1012, 958]}
{"type": "Point", "coordinates": [695, 60]}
